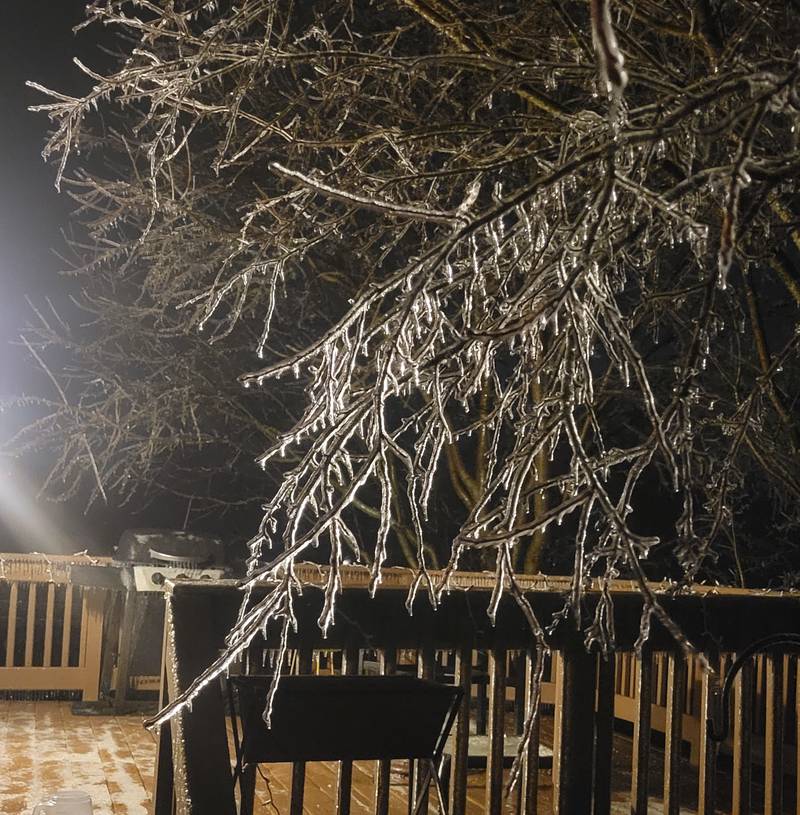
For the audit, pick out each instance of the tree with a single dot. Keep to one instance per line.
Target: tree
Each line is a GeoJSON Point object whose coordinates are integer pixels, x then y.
{"type": "Point", "coordinates": [143, 408]}
{"type": "Point", "coordinates": [565, 224]}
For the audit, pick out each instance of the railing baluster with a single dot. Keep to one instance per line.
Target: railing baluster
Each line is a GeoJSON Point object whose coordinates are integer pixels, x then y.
{"type": "Point", "coordinates": [788, 676]}
{"type": "Point", "coordinates": [557, 670]}
{"type": "Point", "coordinates": [604, 733]}
{"type": "Point", "coordinates": [707, 786]}
{"type": "Point", "coordinates": [426, 669]}
{"type": "Point", "coordinates": [461, 752]}
{"type": "Point", "coordinates": [305, 659]}
{"type": "Point", "coordinates": [497, 709]}
{"type": "Point", "coordinates": [659, 696]}
{"type": "Point", "coordinates": [481, 711]}
{"type": "Point", "coordinates": [30, 624]}
{"type": "Point", "coordinates": [576, 740]}
{"type": "Point", "coordinates": [773, 737]}
{"type": "Point", "coordinates": [163, 795]}
{"type": "Point", "coordinates": [633, 675]}
{"type": "Point", "coordinates": [388, 666]}
{"type": "Point", "coordinates": [517, 675]}
{"type": "Point", "coordinates": [743, 739]}
{"type": "Point", "coordinates": [11, 629]}
{"type": "Point", "coordinates": [530, 776]}
{"type": "Point", "coordinates": [252, 660]}
{"type": "Point", "coordinates": [426, 662]}
{"type": "Point", "coordinates": [759, 711]}
{"type": "Point", "coordinates": [344, 787]}
{"type": "Point", "coordinates": [84, 631]}
{"type": "Point", "coordinates": [640, 769]}
{"type": "Point", "coordinates": [691, 695]}
{"type": "Point", "coordinates": [48, 626]}
{"type": "Point", "coordinates": [675, 701]}
{"type": "Point", "coordinates": [797, 731]}
{"type": "Point", "coordinates": [92, 637]}
{"type": "Point", "coordinates": [624, 666]}
{"type": "Point", "coordinates": [66, 626]}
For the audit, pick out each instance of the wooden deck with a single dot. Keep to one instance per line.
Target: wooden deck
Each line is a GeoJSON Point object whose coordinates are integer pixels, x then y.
{"type": "Point", "coordinates": [51, 619]}
{"type": "Point", "coordinates": [44, 747]}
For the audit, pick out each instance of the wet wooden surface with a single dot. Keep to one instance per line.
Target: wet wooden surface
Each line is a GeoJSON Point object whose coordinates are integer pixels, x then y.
{"type": "Point", "coordinates": [44, 747]}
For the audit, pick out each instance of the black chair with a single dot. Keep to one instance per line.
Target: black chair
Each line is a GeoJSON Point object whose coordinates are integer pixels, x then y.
{"type": "Point", "coordinates": [344, 718]}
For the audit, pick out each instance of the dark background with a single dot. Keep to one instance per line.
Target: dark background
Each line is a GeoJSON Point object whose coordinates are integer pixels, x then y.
{"type": "Point", "coordinates": [39, 45]}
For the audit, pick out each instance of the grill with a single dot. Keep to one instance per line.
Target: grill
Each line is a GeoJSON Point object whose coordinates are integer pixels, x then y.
{"type": "Point", "coordinates": [146, 559]}
{"type": "Point", "coordinates": [157, 555]}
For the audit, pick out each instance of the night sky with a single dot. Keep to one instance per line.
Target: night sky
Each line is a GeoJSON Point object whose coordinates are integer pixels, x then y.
{"type": "Point", "coordinates": [38, 45]}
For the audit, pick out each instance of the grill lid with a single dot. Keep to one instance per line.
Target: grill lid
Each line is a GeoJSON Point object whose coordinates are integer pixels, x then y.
{"type": "Point", "coordinates": [169, 547]}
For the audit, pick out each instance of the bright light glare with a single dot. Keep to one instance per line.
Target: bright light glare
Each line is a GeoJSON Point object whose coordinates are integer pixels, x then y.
{"type": "Point", "coordinates": [30, 524]}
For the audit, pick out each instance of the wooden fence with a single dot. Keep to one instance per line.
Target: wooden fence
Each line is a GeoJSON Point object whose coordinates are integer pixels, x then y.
{"type": "Point", "coordinates": [193, 768]}
{"type": "Point", "coordinates": [51, 631]}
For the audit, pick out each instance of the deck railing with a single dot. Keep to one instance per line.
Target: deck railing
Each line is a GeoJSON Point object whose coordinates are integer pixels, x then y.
{"type": "Point", "coordinates": [51, 640]}
{"type": "Point", "coordinates": [194, 765]}
{"type": "Point", "coordinates": [51, 631]}
{"type": "Point", "coordinates": [625, 704]}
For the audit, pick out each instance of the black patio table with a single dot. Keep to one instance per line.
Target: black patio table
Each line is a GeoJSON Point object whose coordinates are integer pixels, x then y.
{"type": "Point", "coordinates": [345, 718]}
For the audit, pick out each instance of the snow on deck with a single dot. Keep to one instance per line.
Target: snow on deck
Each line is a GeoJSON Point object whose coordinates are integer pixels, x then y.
{"type": "Point", "coordinates": [43, 748]}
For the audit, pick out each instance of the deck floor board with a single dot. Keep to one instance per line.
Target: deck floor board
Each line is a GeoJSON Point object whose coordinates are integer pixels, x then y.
{"type": "Point", "coordinates": [83, 767]}
{"type": "Point", "coordinates": [44, 747]}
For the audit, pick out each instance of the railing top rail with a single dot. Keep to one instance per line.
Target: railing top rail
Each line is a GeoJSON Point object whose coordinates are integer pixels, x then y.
{"type": "Point", "coordinates": [401, 578]}
{"type": "Point", "coordinates": [37, 567]}
{"type": "Point", "coordinates": [713, 618]}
